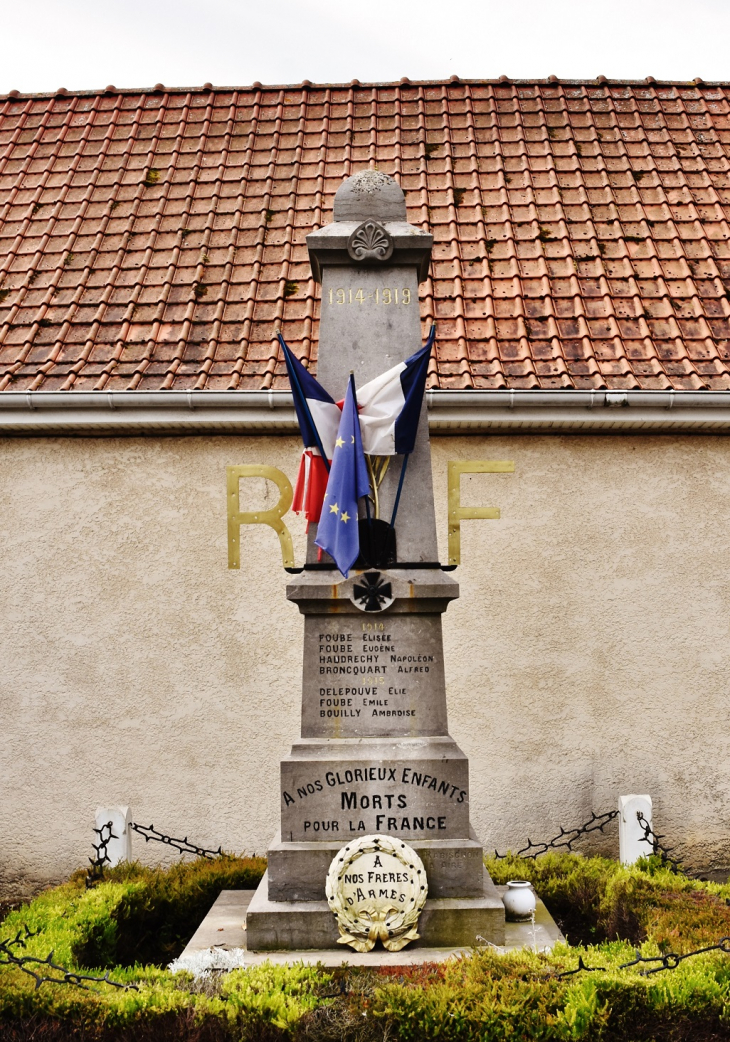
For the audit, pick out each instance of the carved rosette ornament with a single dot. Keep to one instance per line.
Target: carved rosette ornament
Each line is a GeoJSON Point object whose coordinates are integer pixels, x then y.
{"type": "Point", "coordinates": [377, 887]}
{"type": "Point", "coordinates": [370, 242]}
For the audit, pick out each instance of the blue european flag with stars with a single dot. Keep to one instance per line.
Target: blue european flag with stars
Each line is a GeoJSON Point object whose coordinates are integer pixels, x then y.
{"type": "Point", "coordinates": [337, 532]}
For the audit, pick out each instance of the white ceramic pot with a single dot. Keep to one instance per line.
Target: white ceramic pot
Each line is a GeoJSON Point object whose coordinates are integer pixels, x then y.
{"type": "Point", "coordinates": [519, 901]}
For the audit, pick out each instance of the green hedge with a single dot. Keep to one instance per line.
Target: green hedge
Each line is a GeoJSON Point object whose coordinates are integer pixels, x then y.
{"type": "Point", "coordinates": [161, 909]}
{"type": "Point", "coordinates": [594, 899]}
{"type": "Point", "coordinates": [133, 923]}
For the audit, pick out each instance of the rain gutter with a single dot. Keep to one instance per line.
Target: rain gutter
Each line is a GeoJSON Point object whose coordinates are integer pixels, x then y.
{"type": "Point", "coordinates": [450, 412]}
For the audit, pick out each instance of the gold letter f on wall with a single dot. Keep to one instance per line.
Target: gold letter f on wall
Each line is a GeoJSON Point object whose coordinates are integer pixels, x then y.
{"type": "Point", "coordinates": [458, 513]}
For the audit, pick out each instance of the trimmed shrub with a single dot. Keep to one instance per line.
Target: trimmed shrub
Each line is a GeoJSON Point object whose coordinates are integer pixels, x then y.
{"type": "Point", "coordinates": [141, 914]}
{"type": "Point", "coordinates": [161, 909]}
{"type": "Point", "coordinates": [595, 899]}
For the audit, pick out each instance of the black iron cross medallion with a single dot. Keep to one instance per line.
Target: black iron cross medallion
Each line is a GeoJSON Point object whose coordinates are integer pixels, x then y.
{"type": "Point", "coordinates": [373, 594]}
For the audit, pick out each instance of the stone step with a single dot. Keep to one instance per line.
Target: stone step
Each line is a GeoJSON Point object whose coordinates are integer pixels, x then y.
{"type": "Point", "coordinates": [224, 930]}
{"type": "Point", "coordinates": [297, 871]}
{"type": "Point", "coordinates": [444, 923]}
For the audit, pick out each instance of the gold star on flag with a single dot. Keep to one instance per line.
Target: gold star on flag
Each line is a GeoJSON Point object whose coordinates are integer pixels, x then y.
{"type": "Point", "coordinates": [339, 443]}
{"type": "Point", "coordinates": [334, 509]}
{"type": "Point", "coordinates": [345, 516]}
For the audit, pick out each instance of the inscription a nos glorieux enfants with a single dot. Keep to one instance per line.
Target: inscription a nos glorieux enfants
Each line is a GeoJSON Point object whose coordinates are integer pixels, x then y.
{"type": "Point", "coordinates": [338, 801]}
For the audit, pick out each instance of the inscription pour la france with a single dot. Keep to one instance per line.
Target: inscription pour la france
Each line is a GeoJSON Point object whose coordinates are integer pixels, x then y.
{"type": "Point", "coordinates": [387, 801]}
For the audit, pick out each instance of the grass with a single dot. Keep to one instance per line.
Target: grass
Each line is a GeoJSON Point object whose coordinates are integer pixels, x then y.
{"type": "Point", "coordinates": [134, 922]}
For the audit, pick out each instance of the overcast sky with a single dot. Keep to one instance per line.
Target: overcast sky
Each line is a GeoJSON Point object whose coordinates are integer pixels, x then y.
{"type": "Point", "coordinates": [86, 44]}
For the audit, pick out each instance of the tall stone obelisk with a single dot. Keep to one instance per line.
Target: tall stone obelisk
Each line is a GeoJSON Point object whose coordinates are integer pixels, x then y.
{"type": "Point", "coordinates": [375, 755]}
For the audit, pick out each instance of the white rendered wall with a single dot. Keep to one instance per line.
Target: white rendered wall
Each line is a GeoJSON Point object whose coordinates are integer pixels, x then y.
{"type": "Point", "coordinates": [588, 654]}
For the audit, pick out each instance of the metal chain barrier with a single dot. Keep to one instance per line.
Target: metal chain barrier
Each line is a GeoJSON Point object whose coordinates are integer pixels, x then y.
{"type": "Point", "coordinates": [657, 847]}
{"type": "Point", "coordinates": [564, 840]}
{"type": "Point", "coordinates": [8, 957]}
{"type": "Point", "coordinates": [566, 837]}
{"type": "Point", "coordinates": [183, 845]}
{"type": "Point", "coordinates": [668, 961]}
{"type": "Point", "coordinates": [95, 873]}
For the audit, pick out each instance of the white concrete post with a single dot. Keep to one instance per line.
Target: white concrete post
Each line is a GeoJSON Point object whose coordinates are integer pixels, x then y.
{"type": "Point", "coordinates": [631, 842]}
{"type": "Point", "coordinates": [120, 847]}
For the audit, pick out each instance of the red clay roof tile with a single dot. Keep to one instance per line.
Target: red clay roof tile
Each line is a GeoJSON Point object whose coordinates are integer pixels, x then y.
{"type": "Point", "coordinates": [156, 239]}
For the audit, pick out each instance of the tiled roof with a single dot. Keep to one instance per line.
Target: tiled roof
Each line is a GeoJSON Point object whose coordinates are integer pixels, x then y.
{"type": "Point", "coordinates": [155, 239]}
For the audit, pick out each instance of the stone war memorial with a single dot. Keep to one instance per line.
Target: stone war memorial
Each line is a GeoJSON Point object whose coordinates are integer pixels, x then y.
{"type": "Point", "coordinates": [375, 841]}
{"type": "Point", "coordinates": [263, 350]}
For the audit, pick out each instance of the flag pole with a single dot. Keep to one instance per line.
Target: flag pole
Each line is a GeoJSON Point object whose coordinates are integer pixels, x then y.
{"type": "Point", "coordinates": [400, 488]}
{"type": "Point", "coordinates": [429, 343]}
{"type": "Point", "coordinates": [293, 376]}
{"type": "Point", "coordinates": [367, 498]}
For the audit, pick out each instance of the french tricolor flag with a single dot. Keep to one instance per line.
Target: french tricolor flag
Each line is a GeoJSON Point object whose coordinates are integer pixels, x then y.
{"type": "Point", "coordinates": [390, 405]}
{"type": "Point", "coordinates": [319, 418]}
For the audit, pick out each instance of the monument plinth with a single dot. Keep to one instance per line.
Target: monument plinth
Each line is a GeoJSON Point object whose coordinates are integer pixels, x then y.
{"type": "Point", "coordinates": [375, 755]}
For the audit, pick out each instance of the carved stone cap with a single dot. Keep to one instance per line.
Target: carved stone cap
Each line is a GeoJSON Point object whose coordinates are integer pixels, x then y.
{"type": "Point", "coordinates": [420, 591]}
{"type": "Point", "coordinates": [370, 194]}
{"type": "Point", "coordinates": [375, 200]}
{"type": "Point", "coordinates": [329, 245]}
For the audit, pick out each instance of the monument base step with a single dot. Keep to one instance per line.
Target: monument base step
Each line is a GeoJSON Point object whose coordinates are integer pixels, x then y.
{"type": "Point", "coordinates": [445, 922]}
{"type": "Point", "coordinates": [224, 929]}
{"type": "Point", "coordinates": [297, 871]}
